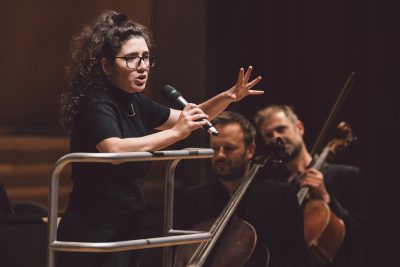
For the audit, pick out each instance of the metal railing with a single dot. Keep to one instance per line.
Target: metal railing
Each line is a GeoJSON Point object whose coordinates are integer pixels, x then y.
{"type": "Point", "coordinates": [182, 236]}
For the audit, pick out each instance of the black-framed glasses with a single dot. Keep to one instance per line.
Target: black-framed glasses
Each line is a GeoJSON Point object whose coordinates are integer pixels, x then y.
{"type": "Point", "coordinates": [133, 62]}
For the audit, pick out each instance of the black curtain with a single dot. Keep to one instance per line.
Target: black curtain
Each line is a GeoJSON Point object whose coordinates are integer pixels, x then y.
{"type": "Point", "coordinates": [305, 50]}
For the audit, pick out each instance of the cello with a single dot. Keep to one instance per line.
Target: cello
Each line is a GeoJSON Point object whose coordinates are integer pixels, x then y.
{"type": "Point", "coordinates": [234, 241]}
{"type": "Point", "coordinates": [324, 232]}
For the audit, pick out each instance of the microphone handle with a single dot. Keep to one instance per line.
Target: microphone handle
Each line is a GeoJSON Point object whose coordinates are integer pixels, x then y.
{"type": "Point", "coordinates": [182, 101]}
{"type": "Point", "coordinates": [208, 127]}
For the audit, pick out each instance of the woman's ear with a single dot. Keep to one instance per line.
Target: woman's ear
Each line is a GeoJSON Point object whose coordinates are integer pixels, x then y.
{"type": "Point", "coordinates": [105, 65]}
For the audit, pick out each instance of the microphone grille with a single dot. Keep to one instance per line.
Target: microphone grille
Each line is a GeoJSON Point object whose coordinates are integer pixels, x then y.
{"type": "Point", "coordinates": [170, 92]}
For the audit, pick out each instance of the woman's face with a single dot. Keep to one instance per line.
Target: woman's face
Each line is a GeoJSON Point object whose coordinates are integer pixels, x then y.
{"type": "Point", "coordinates": [130, 72]}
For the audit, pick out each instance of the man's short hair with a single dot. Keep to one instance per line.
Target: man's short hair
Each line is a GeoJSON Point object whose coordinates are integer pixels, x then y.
{"type": "Point", "coordinates": [228, 117]}
{"type": "Point", "coordinates": [265, 113]}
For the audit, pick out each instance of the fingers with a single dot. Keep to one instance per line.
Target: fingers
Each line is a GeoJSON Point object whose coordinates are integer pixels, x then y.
{"type": "Point", "coordinates": [256, 92]}
{"type": "Point", "coordinates": [314, 180]}
{"type": "Point", "coordinates": [314, 173]}
{"type": "Point", "coordinates": [254, 82]}
{"type": "Point", "coordinates": [243, 78]}
{"type": "Point", "coordinates": [247, 75]}
{"type": "Point", "coordinates": [194, 114]}
{"type": "Point", "coordinates": [240, 76]}
{"type": "Point", "coordinates": [242, 88]}
{"type": "Point", "coordinates": [189, 107]}
{"type": "Point", "coordinates": [318, 189]}
{"type": "Point", "coordinates": [312, 177]}
{"type": "Point", "coordinates": [199, 118]}
{"type": "Point", "coordinates": [192, 109]}
{"type": "Point", "coordinates": [190, 119]}
{"type": "Point", "coordinates": [310, 183]}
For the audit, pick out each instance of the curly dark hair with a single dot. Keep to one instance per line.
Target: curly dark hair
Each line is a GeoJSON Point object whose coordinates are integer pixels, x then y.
{"type": "Point", "coordinates": [103, 39]}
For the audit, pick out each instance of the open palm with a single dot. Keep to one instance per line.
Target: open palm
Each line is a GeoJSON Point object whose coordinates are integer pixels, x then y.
{"type": "Point", "coordinates": [243, 87]}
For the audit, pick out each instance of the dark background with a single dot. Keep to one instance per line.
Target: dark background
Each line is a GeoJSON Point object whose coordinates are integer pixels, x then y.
{"type": "Point", "coordinates": [304, 50]}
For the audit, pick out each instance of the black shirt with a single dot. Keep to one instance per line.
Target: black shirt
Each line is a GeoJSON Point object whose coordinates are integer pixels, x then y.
{"type": "Point", "coordinates": [346, 187]}
{"type": "Point", "coordinates": [105, 114]}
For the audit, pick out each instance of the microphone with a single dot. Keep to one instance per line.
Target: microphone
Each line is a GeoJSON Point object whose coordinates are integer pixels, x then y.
{"type": "Point", "coordinates": [276, 147]}
{"type": "Point", "coordinates": [175, 97]}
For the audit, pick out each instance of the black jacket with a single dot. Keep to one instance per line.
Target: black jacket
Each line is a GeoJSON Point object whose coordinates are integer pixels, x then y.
{"type": "Point", "coordinates": [346, 186]}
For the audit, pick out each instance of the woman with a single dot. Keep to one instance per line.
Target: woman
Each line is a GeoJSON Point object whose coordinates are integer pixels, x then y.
{"type": "Point", "coordinates": [106, 112]}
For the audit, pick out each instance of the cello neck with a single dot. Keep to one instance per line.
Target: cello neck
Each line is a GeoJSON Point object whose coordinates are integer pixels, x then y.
{"type": "Point", "coordinates": [318, 163]}
{"type": "Point", "coordinates": [200, 255]}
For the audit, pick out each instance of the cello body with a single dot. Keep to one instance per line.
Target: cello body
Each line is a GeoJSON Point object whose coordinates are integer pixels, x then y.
{"type": "Point", "coordinates": [234, 248]}
{"type": "Point", "coordinates": [323, 230]}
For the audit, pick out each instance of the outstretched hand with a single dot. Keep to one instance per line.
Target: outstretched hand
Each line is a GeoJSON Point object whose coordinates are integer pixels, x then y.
{"type": "Point", "coordinates": [243, 87]}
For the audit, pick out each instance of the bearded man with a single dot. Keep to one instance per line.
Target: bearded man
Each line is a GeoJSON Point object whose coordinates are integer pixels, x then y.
{"type": "Point", "coordinates": [269, 207]}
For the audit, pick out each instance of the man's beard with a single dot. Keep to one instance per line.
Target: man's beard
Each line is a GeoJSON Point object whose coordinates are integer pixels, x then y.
{"type": "Point", "coordinates": [232, 171]}
{"type": "Point", "coordinates": [294, 154]}
{"type": "Point", "coordinates": [283, 149]}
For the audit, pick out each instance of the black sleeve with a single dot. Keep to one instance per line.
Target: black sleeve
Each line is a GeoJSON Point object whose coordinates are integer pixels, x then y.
{"type": "Point", "coordinates": [156, 114]}
{"type": "Point", "coordinates": [295, 252]}
{"type": "Point", "coordinates": [349, 202]}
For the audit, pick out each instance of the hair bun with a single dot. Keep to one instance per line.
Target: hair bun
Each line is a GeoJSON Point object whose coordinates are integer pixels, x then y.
{"type": "Point", "coordinates": [119, 18]}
